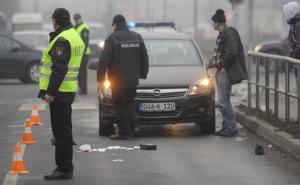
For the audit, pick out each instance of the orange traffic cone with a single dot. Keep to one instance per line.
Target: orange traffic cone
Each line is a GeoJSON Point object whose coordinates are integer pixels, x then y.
{"type": "Point", "coordinates": [35, 119]}
{"type": "Point", "coordinates": [27, 136]}
{"type": "Point", "coordinates": [27, 123]}
{"type": "Point", "coordinates": [18, 165]}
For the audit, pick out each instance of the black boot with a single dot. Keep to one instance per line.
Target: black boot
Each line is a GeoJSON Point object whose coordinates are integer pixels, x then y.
{"type": "Point", "coordinates": [58, 175]}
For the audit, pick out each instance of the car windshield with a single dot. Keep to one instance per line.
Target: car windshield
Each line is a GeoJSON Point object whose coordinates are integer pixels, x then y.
{"type": "Point", "coordinates": [33, 40]}
{"type": "Point", "coordinates": [97, 33]}
{"type": "Point", "coordinates": [172, 53]}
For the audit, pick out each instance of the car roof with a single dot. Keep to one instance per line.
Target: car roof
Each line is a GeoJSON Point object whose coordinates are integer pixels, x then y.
{"type": "Point", "coordinates": [165, 35]}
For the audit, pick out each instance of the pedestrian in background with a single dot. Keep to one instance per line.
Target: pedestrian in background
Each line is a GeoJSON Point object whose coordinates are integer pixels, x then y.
{"type": "Point", "coordinates": [229, 60]}
{"type": "Point", "coordinates": [58, 85]}
{"type": "Point", "coordinates": [124, 59]}
{"type": "Point", "coordinates": [291, 11]}
{"type": "Point", "coordinates": [84, 33]}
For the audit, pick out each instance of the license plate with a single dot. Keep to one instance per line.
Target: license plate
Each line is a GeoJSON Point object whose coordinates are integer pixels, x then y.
{"type": "Point", "coordinates": [157, 107]}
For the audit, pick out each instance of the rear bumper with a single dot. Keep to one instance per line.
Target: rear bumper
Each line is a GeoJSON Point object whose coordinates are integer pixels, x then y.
{"type": "Point", "coordinates": [188, 109]}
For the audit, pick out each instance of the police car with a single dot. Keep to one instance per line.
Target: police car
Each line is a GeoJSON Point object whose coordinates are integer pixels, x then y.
{"type": "Point", "coordinates": [177, 90]}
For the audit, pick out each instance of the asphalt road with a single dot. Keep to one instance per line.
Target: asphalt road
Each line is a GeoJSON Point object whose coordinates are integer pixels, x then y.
{"type": "Point", "coordinates": [184, 157]}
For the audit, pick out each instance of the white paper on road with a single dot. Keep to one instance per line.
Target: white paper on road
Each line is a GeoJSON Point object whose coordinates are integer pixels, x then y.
{"type": "Point", "coordinates": [85, 148]}
{"type": "Point", "coordinates": [88, 148]}
{"type": "Point", "coordinates": [118, 160]}
{"type": "Point", "coordinates": [239, 139]}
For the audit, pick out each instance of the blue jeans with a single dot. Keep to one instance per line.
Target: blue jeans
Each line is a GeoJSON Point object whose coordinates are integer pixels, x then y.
{"type": "Point", "coordinates": [224, 91]}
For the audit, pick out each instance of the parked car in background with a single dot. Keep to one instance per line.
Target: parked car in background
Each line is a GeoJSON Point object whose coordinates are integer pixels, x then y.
{"type": "Point", "coordinates": [98, 35]}
{"type": "Point", "coordinates": [18, 60]}
{"type": "Point", "coordinates": [278, 47]}
{"type": "Point", "coordinates": [35, 39]}
{"type": "Point", "coordinates": [177, 90]}
{"type": "Point", "coordinates": [22, 21]}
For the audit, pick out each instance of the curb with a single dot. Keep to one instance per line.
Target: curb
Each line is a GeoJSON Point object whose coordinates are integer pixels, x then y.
{"type": "Point", "coordinates": [282, 140]}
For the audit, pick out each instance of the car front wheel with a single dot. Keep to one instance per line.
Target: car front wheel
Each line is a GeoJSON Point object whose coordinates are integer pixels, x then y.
{"type": "Point", "coordinates": [32, 73]}
{"type": "Point", "coordinates": [105, 128]}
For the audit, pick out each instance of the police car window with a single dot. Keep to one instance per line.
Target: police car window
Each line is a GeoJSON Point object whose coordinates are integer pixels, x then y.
{"type": "Point", "coordinates": [5, 43]}
{"type": "Point", "coordinates": [172, 52]}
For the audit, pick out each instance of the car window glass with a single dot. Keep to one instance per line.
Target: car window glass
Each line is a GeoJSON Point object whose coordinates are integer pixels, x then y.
{"type": "Point", "coordinates": [5, 43]}
{"type": "Point", "coordinates": [172, 52]}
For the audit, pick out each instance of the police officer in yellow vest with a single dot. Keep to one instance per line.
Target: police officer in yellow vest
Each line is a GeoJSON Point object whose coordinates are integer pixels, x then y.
{"type": "Point", "coordinates": [84, 33]}
{"type": "Point", "coordinates": [58, 85]}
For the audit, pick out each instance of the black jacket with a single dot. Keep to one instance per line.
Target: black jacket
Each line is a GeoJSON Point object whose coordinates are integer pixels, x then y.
{"type": "Point", "coordinates": [124, 58]}
{"type": "Point", "coordinates": [232, 56]}
{"type": "Point", "coordinates": [60, 55]}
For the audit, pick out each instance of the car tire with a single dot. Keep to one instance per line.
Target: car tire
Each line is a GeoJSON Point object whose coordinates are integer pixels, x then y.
{"type": "Point", "coordinates": [105, 128]}
{"type": "Point", "coordinates": [32, 73]}
{"type": "Point", "coordinates": [209, 127]}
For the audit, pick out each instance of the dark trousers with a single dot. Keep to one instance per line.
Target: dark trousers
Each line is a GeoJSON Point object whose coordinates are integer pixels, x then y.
{"type": "Point", "coordinates": [82, 76]}
{"type": "Point", "coordinates": [61, 123]}
{"type": "Point", "coordinates": [123, 100]}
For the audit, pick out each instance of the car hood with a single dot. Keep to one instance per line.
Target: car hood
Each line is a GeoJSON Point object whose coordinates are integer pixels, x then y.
{"type": "Point", "coordinates": [172, 77]}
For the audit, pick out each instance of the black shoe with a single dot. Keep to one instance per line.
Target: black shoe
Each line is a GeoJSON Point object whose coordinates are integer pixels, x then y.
{"type": "Point", "coordinates": [120, 137]}
{"type": "Point", "coordinates": [58, 175]}
{"type": "Point", "coordinates": [228, 133]}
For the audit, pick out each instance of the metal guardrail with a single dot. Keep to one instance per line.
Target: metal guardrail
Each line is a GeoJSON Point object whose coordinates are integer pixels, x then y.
{"type": "Point", "coordinates": [263, 61]}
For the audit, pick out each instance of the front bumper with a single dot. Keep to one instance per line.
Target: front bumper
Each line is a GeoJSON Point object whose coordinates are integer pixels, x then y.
{"type": "Point", "coordinates": [188, 109]}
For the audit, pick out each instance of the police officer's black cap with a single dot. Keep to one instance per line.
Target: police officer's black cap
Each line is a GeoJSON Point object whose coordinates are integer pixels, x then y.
{"type": "Point", "coordinates": [77, 16]}
{"type": "Point", "coordinates": [119, 19]}
{"type": "Point", "coordinates": [61, 14]}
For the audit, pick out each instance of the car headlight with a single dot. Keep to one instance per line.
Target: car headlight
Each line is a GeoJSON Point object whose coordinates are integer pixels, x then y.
{"type": "Point", "coordinates": [202, 86]}
{"type": "Point", "coordinates": [101, 44]}
{"type": "Point", "coordinates": [258, 48]}
{"type": "Point", "coordinates": [105, 88]}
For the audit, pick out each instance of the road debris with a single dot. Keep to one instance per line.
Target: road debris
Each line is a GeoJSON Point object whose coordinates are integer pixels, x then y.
{"type": "Point", "coordinates": [118, 160]}
{"type": "Point", "coordinates": [85, 148]}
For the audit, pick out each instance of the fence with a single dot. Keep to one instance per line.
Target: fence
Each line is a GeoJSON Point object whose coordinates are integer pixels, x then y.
{"type": "Point", "coordinates": [263, 66]}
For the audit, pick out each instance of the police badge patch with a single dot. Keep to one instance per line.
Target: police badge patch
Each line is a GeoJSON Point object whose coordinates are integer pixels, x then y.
{"type": "Point", "coordinates": [58, 51]}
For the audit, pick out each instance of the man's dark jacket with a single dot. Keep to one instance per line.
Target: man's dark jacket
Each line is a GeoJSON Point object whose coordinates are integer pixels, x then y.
{"type": "Point", "coordinates": [232, 56]}
{"type": "Point", "coordinates": [294, 36]}
{"type": "Point", "coordinates": [124, 58]}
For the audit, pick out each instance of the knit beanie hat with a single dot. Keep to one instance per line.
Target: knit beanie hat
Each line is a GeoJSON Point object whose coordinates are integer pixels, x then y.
{"type": "Point", "coordinates": [219, 16]}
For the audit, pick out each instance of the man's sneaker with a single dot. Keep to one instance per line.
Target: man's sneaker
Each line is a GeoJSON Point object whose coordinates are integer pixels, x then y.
{"type": "Point", "coordinates": [58, 175]}
{"type": "Point", "coordinates": [120, 137]}
{"type": "Point", "coordinates": [228, 133]}
{"type": "Point", "coordinates": [218, 132]}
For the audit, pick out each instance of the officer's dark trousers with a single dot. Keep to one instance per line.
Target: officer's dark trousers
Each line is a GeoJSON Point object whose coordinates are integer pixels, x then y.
{"type": "Point", "coordinates": [82, 76]}
{"type": "Point", "coordinates": [123, 100]}
{"type": "Point", "coordinates": [61, 123]}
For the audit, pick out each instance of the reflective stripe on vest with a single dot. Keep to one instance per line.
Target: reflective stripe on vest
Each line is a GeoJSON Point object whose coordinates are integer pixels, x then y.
{"type": "Point", "coordinates": [79, 29]}
{"type": "Point", "coordinates": [69, 83]}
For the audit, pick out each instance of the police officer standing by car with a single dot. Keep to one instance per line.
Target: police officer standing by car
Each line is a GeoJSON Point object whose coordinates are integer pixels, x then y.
{"type": "Point", "coordinates": [84, 33]}
{"type": "Point", "coordinates": [124, 60]}
{"type": "Point", "coordinates": [229, 59]}
{"type": "Point", "coordinates": [58, 85]}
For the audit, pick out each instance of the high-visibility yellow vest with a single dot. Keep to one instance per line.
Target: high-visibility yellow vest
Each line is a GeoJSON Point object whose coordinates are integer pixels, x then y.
{"type": "Point", "coordinates": [79, 29]}
{"type": "Point", "coordinates": [69, 83]}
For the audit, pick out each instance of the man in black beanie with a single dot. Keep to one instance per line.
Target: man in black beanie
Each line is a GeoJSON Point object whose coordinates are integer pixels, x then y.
{"type": "Point", "coordinates": [229, 60]}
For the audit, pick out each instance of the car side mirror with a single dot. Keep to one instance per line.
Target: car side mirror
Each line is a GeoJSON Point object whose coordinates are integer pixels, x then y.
{"type": "Point", "coordinates": [93, 65]}
{"type": "Point", "coordinates": [14, 49]}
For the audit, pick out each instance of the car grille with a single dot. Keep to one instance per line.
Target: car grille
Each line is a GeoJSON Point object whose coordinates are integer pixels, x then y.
{"type": "Point", "coordinates": [160, 93]}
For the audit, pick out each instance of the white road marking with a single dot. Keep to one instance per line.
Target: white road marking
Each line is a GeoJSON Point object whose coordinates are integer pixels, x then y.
{"type": "Point", "coordinates": [28, 107]}
{"type": "Point", "coordinates": [84, 106]}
